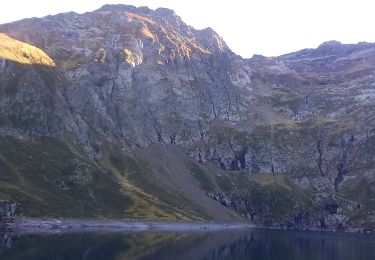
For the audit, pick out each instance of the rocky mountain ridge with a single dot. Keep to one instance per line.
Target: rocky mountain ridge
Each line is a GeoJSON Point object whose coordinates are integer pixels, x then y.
{"type": "Point", "coordinates": [181, 126]}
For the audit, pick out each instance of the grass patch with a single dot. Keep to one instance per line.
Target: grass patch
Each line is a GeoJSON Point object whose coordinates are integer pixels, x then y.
{"type": "Point", "coordinates": [272, 199]}
{"type": "Point", "coordinates": [224, 182]}
{"type": "Point", "coordinates": [49, 179]}
{"type": "Point", "coordinates": [201, 176]}
{"type": "Point", "coordinates": [17, 51]}
{"type": "Point", "coordinates": [151, 199]}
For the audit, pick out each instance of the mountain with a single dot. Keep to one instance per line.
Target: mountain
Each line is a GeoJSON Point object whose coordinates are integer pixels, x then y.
{"type": "Point", "coordinates": [128, 112]}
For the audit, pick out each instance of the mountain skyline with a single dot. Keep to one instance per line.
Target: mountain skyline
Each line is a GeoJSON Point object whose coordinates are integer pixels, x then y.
{"type": "Point", "coordinates": [129, 112]}
{"type": "Point", "coordinates": [268, 28]}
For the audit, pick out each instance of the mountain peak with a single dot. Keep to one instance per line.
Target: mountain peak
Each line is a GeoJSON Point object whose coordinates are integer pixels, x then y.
{"type": "Point", "coordinates": [117, 8]}
{"type": "Point", "coordinates": [165, 12]}
{"type": "Point", "coordinates": [135, 102]}
{"type": "Point", "coordinates": [329, 44]}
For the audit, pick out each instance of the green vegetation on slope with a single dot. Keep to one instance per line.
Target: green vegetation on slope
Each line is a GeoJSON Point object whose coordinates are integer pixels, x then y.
{"type": "Point", "coordinates": [49, 179]}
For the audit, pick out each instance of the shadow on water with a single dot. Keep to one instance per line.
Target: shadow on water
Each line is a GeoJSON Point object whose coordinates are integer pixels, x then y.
{"type": "Point", "coordinates": [256, 244]}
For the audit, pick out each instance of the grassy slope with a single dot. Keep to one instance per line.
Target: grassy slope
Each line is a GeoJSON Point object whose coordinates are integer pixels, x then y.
{"type": "Point", "coordinates": [362, 191]}
{"type": "Point", "coordinates": [51, 178]}
{"type": "Point", "coordinates": [166, 174]}
{"type": "Point", "coordinates": [40, 175]}
{"type": "Point", "coordinates": [159, 183]}
{"type": "Point", "coordinates": [21, 52]}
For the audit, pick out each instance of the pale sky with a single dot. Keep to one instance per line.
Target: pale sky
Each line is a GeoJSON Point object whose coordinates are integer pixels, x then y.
{"type": "Point", "coordinates": [267, 27]}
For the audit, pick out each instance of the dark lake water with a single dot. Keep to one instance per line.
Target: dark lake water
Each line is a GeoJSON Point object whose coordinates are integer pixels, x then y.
{"type": "Point", "coordinates": [256, 244]}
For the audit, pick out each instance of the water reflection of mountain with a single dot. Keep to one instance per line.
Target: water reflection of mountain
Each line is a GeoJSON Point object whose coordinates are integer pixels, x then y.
{"type": "Point", "coordinates": [6, 240]}
{"type": "Point", "coordinates": [253, 244]}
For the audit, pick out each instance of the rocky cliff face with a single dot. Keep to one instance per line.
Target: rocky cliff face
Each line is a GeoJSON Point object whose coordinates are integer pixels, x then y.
{"type": "Point", "coordinates": [138, 75]}
{"type": "Point", "coordinates": [135, 99]}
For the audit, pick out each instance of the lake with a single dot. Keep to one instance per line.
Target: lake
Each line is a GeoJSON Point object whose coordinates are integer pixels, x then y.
{"type": "Point", "coordinates": [257, 244]}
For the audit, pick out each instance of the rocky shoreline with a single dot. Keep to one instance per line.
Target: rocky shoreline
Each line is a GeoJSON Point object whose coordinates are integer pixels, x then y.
{"type": "Point", "coordinates": [328, 214]}
{"type": "Point", "coordinates": [36, 225]}
{"type": "Point", "coordinates": [50, 226]}
{"type": "Point", "coordinates": [10, 222]}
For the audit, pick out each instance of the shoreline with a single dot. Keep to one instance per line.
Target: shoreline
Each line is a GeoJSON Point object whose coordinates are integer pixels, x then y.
{"type": "Point", "coordinates": [72, 225]}
{"type": "Point", "coordinates": [40, 225]}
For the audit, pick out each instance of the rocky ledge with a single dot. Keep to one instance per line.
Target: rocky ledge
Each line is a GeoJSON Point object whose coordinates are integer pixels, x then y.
{"type": "Point", "coordinates": [7, 213]}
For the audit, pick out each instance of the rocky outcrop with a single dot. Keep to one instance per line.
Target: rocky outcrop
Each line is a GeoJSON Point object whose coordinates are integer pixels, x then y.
{"type": "Point", "coordinates": [8, 212]}
{"type": "Point", "coordinates": [102, 89]}
{"type": "Point", "coordinates": [8, 209]}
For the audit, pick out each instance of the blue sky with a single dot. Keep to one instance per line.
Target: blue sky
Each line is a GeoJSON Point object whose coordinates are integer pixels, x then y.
{"type": "Point", "coordinates": [268, 27]}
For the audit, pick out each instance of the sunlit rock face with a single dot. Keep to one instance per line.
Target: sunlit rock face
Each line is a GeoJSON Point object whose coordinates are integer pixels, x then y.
{"type": "Point", "coordinates": [125, 78]}
{"type": "Point", "coordinates": [131, 78]}
{"type": "Point", "coordinates": [142, 75]}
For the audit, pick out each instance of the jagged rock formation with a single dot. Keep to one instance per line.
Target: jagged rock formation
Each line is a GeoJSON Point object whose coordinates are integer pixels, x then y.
{"type": "Point", "coordinates": [8, 212]}
{"type": "Point", "coordinates": [135, 99]}
{"type": "Point", "coordinates": [7, 209]}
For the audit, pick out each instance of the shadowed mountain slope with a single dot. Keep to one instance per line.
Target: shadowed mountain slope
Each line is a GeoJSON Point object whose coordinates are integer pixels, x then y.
{"type": "Point", "coordinates": [128, 112]}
